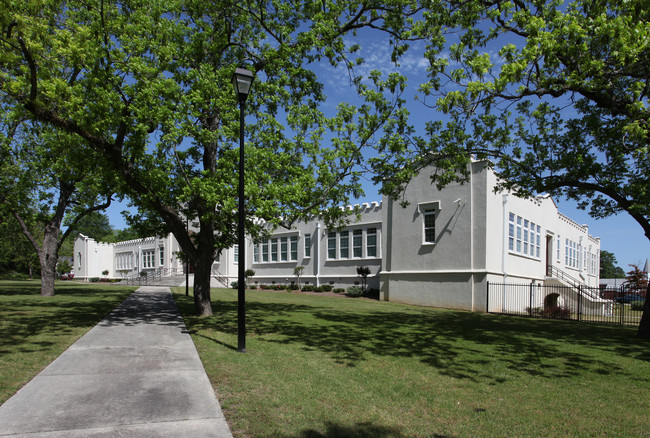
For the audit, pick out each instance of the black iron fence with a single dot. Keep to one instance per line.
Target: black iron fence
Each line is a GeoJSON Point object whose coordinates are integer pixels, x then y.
{"type": "Point", "coordinates": [580, 303]}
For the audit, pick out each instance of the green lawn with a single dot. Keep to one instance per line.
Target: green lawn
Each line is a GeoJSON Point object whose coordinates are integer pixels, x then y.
{"type": "Point", "coordinates": [338, 367]}
{"type": "Point", "coordinates": [35, 330]}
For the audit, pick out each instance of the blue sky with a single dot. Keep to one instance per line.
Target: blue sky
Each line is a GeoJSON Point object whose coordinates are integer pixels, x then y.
{"type": "Point", "coordinates": [619, 234]}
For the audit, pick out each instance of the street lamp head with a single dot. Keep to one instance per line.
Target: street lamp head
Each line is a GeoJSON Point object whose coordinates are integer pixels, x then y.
{"type": "Point", "coordinates": [242, 80]}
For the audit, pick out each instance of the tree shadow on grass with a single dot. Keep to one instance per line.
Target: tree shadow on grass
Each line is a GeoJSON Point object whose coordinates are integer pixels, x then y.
{"type": "Point", "coordinates": [26, 315]}
{"type": "Point", "coordinates": [359, 430]}
{"type": "Point", "coordinates": [458, 344]}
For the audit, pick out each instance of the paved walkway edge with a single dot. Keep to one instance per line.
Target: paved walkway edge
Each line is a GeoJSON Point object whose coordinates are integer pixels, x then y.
{"type": "Point", "coordinates": [136, 374]}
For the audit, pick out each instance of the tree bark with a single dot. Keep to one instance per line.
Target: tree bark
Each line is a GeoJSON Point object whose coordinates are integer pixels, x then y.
{"type": "Point", "coordinates": [644, 325]}
{"type": "Point", "coordinates": [202, 272]}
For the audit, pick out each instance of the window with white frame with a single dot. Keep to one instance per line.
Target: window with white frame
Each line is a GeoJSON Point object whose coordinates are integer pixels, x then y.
{"type": "Point", "coordinates": [293, 250]}
{"type": "Point", "coordinates": [148, 258]}
{"type": "Point", "coordinates": [79, 258]}
{"type": "Point", "coordinates": [161, 252]}
{"type": "Point", "coordinates": [274, 250]}
{"type": "Point", "coordinates": [284, 250]}
{"type": "Point", "coordinates": [344, 244]}
{"type": "Point", "coordinates": [265, 250]}
{"type": "Point", "coordinates": [571, 253]}
{"type": "Point", "coordinates": [524, 236]}
{"type": "Point", "coordinates": [235, 253]}
{"type": "Point", "coordinates": [429, 216]}
{"type": "Point", "coordinates": [331, 245]}
{"type": "Point", "coordinates": [371, 242]}
{"type": "Point", "coordinates": [559, 247]}
{"type": "Point", "coordinates": [307, 245]}
{"type": "Point", "coordinates": [357, 244]}
{"type": "Point", "coordinates": [256, 253]}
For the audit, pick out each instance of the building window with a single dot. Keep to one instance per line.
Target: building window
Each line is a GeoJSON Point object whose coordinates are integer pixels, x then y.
{"type": "Point", "coordinates": [294, 248]}
{"type": "Point", "coordinates": [235, 256]}
{"type": "Point", "coordinates": [357, 244]}
{"type": "Point", "coordinates": [162, 256]}
{"type": "Point", "coordinates": [429, 226]}
{"type": "Point", "coordinates": [148, 258]}
{"type": "Point", "coordinates": [571, 253]}
{"type": "Point", "coordinates": [344, 243]}
{"type": "Point", "coordinates": [256, 253]}
{"type": "Point", "coordinates": [511, 233]}
{"type": "Point", "coordinates": [331, 245]}
{"type": "Point", "coordinates": [524, 236]}
{"type": "Point", "coordinates": [79, 258]}
{"type": "Point", "coordinates": [274, 250]}
{"type": "Point", "coordinates": [307, 245]}
{"type": "Point", "coordinates": [559, 245]}
{"type": "Point", "coordinates": [283, 249]}
{"type": "Point", "coordinates": [265, 250]}
{"type": "Point", "coordinates": [371, 242]}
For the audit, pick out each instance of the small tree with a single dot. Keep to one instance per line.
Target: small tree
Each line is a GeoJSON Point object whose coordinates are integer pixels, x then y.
{"type": "Point", "coordinates": [637, 279]}
{"type": "Point", "coordinates": [297, 271]}
{"type": "Point", "coordinates": [363, 272]}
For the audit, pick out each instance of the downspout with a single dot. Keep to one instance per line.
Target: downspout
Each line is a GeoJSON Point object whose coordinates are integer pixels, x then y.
{"type": "Point", "coordinates": [506, 236]}
{"type": "Point", "coordinates": [471, 236]}
{"type": "Point", "coordinates": [317, 255]}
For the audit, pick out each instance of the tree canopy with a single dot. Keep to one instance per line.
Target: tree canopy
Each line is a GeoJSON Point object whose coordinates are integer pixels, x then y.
{"type": "Point", "coordinates": [147, 84]}
{"type": "Point", "coordinates": [608, 266]}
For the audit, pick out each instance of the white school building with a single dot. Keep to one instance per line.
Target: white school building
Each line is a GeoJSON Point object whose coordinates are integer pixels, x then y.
{"type": "Point", "coordinates": [441, 250]}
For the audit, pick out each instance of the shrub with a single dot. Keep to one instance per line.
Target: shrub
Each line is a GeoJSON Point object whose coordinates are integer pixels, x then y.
{"type": "Point", "coordinates": [327, 287]}
{"type": "Point", "coordinates": [235, 285]}
{"type": "Point", "coordinates": [558, 312]}
{"type": "Point", "coordinates": [253, 287]}
{"type": "Point", "coordinates": [308, 288]}
{"type": "Point", "coordinates": [292, 286]}
{"type": "Point", "coordinates": [105, 272]}
{"type": "Point", "coordinates": [263, 287]}
{"type": "Point", "coordinates": [339, 290]}
{"type": "Point", "coordinates": [535, 311]}
{"type": "Point", "coordinates": [93, 279]}
{"type": "Point", "coordinates": [355, 291]}
{"type": "Point", "coordinates": [636, 305]}
{"type": "Point", "coordinates": [318, 289]}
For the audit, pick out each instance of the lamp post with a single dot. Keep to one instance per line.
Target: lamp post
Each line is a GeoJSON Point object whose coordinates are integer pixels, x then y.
{"type": "Point", "coordinates": [242, 80]}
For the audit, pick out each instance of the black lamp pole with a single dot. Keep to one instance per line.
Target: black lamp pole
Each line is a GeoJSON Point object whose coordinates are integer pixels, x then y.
{"type": "Point", "coordinates": [241, 80]}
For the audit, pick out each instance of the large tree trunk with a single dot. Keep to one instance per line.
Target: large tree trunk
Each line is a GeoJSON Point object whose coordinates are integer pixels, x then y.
{"type": "Point", "coordinates": [48, 256]}
{"type": "Point", "coordinates": [202, 271]}
{"type": "Point", "coordinates": [644, 325]}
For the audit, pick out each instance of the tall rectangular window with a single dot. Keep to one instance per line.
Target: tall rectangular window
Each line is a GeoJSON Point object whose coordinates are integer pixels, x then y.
{"type": "Point", "coordinates": [293, 256]}
{"type": "Point", "coordinates": [256, 253]}
{"type": "Point", "coordinates": [430, 226]}
{"type": "Point", "coordinates": [559, 246]}
{"type": "Point", "coordinates": [357, 244]}
{"type": "Point", "coordinates": [344, 244]}
{"type": "Point", "coordinates": [518, 234]}
{"type": "Point", "coordinates": [274, 250]}
{"type": "Point", "coordinates": [371, 242]}
{"type": "Point", "coordinates": [161, 253]}
{"type": "Point", "coordinates": [283, 249]}
{"type": "Point", "coordinates": [235, 256]}
{"type": "Point", "coordinates": [524, 236]}
{"type": "Point", "coordinates": [307, 245]}
{"type": "Point", "coordinates": [265, 250]}
{"type": "Point", "coordinates": [511, 232]}
{"type": "Point", "coordinates": [148, 258]}
{"type": "Point", "coordinates": [331, 245]}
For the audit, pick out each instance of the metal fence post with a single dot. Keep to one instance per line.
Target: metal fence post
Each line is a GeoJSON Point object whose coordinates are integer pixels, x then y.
{"type": "Point", "coordinates": [487, 299]}
{"type": "Point", "coordinates": [530, 300]}
{"type": "Point", "coordinates": [579, 301]}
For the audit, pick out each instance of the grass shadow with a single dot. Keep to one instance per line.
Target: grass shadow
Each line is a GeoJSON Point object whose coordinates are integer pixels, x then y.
{"type": "Point", "coordinates": [459, 344]}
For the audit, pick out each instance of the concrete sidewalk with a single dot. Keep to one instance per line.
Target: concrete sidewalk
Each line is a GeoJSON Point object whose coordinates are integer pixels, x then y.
{"type": "Point", "coordinates": [136, 374]}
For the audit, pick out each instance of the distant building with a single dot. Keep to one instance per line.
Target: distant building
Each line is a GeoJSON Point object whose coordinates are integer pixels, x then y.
{"type": "Point", "coordinates": [439, 251]}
